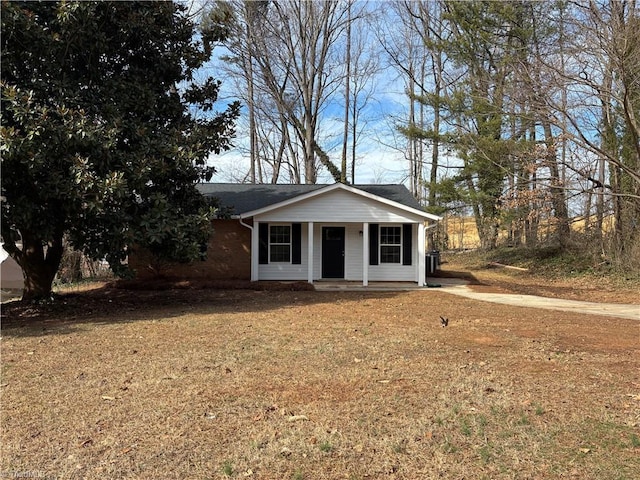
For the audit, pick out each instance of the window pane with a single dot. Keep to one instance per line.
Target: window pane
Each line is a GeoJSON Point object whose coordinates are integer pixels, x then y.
{"type": "Point", "coordinates": [390, 235]}
{"type": "Point", "coordinates": [280, 234]}
{"type": "Point", "coordinates": [280, 253]}
{"type": "Point", "coordinates": [389, 254]}
{"type": "Point", "coordinates": [280, 243]}
{"type": "Point", "coordinates": [390, 244]}
{"type": "Point", "coordinates": [333, 233]}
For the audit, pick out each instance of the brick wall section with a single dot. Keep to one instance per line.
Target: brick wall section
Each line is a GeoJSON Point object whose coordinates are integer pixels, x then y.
{"type": "Point", "coordinates": [228, 257]}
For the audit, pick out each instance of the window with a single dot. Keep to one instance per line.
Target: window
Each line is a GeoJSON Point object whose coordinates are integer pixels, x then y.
{"type": "Point", "coordinates": [280, 243]}
{"type": "Point", "coordinates": [390, 244]}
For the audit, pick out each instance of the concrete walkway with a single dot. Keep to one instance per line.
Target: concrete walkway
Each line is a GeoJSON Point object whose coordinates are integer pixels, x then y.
{"type": "Point", "coordinates": [460, 287]}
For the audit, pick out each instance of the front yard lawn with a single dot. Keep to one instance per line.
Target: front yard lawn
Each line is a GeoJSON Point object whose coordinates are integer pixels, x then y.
{"type": "Point", "coordinates": [210, 384]}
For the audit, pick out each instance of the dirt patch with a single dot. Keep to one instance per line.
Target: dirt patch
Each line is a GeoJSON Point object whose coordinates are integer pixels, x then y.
{"type": "Point", "coordinates": [203, 383]}
{"type": "Point", "coordinates": [177, 283]}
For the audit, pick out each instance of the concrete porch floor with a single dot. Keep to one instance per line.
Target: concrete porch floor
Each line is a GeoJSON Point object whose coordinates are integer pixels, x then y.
{"type": "Point", "coordinates": [355, 286]}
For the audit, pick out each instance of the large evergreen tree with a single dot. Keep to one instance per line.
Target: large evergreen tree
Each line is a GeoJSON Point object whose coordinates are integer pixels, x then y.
{"type": "Point", "coordinates": [105, 132]}
{"type": "Point", "coordinates": [481, 45]}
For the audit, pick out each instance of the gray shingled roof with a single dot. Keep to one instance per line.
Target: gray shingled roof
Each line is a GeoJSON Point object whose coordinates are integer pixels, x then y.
{"type": "Point", "coordinates": [242, 198]}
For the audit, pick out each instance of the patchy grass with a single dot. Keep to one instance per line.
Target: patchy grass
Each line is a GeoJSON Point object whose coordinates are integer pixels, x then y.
{"type": "Point", "coordinates": [572, 262]}
{"type": "Point", "coordinates": [213, 384]}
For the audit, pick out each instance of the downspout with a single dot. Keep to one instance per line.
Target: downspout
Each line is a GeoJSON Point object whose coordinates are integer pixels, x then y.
{"type": "Point", "coordinates": [426, 229]}
{"type": "Point", "coordinates": [254, 274]}
{"type": "Point", "coordinates": [422, 251]}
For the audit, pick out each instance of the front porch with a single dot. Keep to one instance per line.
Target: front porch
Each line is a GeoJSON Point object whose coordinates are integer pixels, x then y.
{"type": "Point", "coordinates": [347, 253]}
{"type": "Point", "coordinates": [348, 286]}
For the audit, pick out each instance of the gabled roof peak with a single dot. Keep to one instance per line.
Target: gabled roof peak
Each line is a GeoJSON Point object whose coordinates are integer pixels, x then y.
{"type": "Point", "coordinates": [247, 199]}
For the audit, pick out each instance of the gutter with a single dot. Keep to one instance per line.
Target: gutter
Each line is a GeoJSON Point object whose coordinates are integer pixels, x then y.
{"type": "Point", "coordinates": [250, 227]}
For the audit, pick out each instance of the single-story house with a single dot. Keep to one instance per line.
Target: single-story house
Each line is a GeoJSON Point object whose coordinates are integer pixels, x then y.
{"type": "Point", "coordinates": [360, 233]}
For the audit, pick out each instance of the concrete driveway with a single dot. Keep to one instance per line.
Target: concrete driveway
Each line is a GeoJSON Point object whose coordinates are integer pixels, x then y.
{"type": "Point", "coordinates": [456, 286]}
{"type": "Point", "coordinates": [620, 310]}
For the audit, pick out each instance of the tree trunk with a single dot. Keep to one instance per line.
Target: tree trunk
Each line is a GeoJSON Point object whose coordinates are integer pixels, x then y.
{"type": "Point", "coordinates": [354, 132]}
{"type": "Point", "coordinates": [433, 175]}
{"type": "Point", "coordinates": [38, 280]}
{"type": "Point", "coordinates": [558, 198]}
{"type": "Point", "coordinates": [253, 134]}
{"type": "Point", "coordinates": [345, 140]}
{"type": "Point", "coordinates": [617, 207]}
{"type": "Point", "coordinates": [489, 233]}
{"type": "Point", "coordinates": [600, 202]}
{"type": "Point", "coordinates": [39, 265]}
{"type": "Point", "coordinates": [413, 151]}
{"type": "Point", "coordinates": [310, 171]}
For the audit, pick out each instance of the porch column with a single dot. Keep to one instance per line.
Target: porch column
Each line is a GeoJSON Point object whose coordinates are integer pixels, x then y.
{"type": "Point", "coordinates": [421, 253]}
{"type": "Point", "coordinates": [310, 252]}
{"type": "Point", "coordinates": [255, 251]}
{"type": "Point", "coordinates": [365, 254]}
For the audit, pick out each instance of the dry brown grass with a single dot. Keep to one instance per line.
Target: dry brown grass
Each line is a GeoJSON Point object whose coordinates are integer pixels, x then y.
{"type": "Point", "coordinates": [462, 232]}
{"type": "Point", "coordinates": [315, 385]}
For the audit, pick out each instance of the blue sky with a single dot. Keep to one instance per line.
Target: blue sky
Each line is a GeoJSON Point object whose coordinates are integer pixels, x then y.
{"type": "Point", "coordinates": [380, 155]}
{"type": "Point", "coordinates": [378, 161]}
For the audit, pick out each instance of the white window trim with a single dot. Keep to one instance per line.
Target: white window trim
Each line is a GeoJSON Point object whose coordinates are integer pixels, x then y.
{"type": "Point", "coordinates": [380, 244]}
{"type": "Point", "coordinates": [271, 262]}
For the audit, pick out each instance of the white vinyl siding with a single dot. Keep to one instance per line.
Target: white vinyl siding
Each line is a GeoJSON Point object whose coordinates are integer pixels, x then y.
{"type": "Point", "coordinates": [396, 272]}
{"type": "Point", "coordinates": [286, 270]}
{"type": "Point", "coordinates": [338, 207]}
{"type": "Point", "coordinates": [353, 253]}
{"type": "Point", "coordinates": [392, 273]}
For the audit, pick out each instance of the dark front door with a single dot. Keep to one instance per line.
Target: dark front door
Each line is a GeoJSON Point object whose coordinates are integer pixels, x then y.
{"type": "Point", "coordinates": [332, 252]}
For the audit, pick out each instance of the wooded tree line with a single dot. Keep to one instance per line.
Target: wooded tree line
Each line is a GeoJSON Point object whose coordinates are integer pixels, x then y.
{"type": "Point", "coordinates": [291, 61]}
{"type": "Point", "coordinates": [520, 113]}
